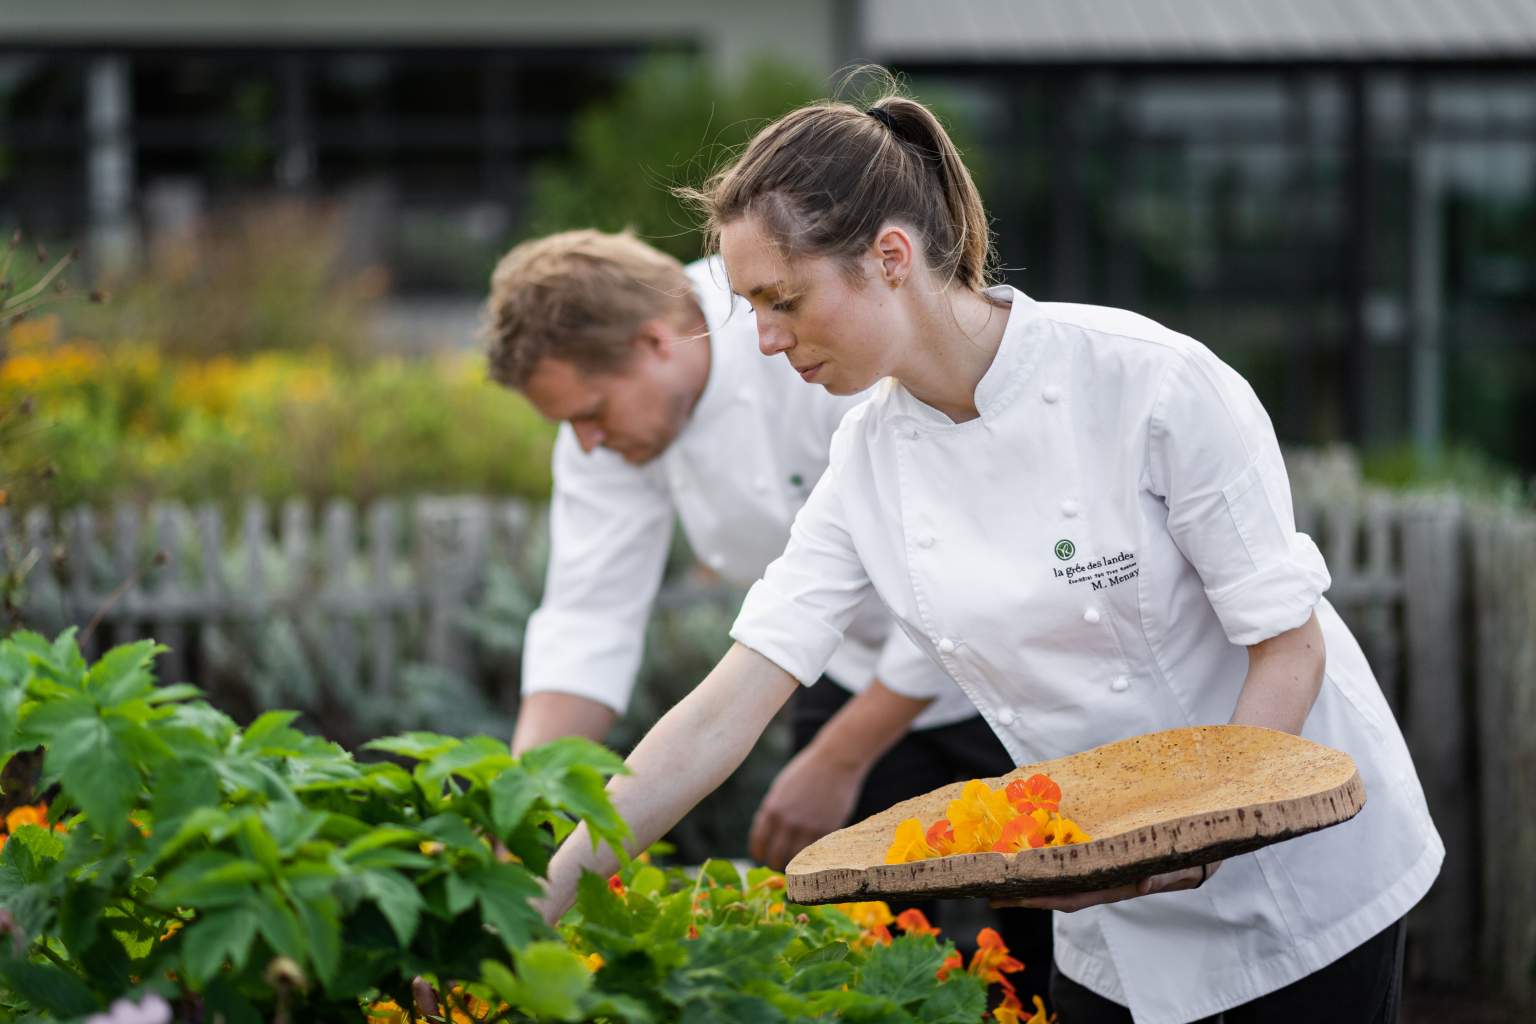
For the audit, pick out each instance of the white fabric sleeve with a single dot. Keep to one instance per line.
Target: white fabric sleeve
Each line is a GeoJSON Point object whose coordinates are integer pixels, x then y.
{"type": "Point", "coordinates": [905, 669]}
{"type": "Point", "coordinates": [1213, 458]}
{"type": "Point", "coordinates": [795, 616]}
{"type": "Point", "coordinates": [610, 528]}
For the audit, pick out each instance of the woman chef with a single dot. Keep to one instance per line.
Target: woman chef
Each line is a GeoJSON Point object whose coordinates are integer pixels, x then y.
{"type": "Point", "coordinates": [1084, 518]}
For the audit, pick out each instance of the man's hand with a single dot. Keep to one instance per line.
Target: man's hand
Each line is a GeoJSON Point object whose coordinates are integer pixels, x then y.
{"type": "Point", "coordinates": [815, 793]}
{"type": "Point", "coordinates": [1170, 881]}
{"type": "Point", "coordinates": [811, 796]}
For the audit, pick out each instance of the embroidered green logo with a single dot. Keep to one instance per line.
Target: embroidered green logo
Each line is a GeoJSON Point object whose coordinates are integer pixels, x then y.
{"type": "Point", "coordinates": [1065, 549]}
{"type": "Point", "coordinates": [796, 480]}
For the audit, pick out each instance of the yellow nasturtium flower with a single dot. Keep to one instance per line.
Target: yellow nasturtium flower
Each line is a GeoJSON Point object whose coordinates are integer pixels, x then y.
{"type": "Point", "coordinates": [979, 816]}
{"type": "Point", "coordinates": [1064, 831]}
{"type": "Point", "coordinates": [874, 914]}
{"type": "Point", "coordinates": [910, 844]}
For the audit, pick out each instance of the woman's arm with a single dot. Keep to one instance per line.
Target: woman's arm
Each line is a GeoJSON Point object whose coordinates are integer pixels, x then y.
{"type": "Point", "coordinates": [1284, 676]}
{"type": "Point", "coordinates": [693, 749]}
{"type": "Point", "coordinates": [816, 791]}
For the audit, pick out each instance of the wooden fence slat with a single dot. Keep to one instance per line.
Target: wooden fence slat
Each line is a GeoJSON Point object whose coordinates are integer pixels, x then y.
{"type": "Point", "coordinates": [252, 591]}
{"type": "Point", "coordinates": [209, 525]}
{"type": "Point", "coordinates": [169, 596]}
{"type": "Point", "coordinates": [1436, 707]}
{"type": "Point", "coordinates": [127, 570]}
{"type": "Point", "coordinates": [344, 598]}
{"type": "Point", "coordinates": [295, 546]}
{"type": "Point", "coordinates": [383, 634]}
{"type": "Point", "coordinates": [79, 564]}
{"type": "Point", "coordinates": [451, 536]}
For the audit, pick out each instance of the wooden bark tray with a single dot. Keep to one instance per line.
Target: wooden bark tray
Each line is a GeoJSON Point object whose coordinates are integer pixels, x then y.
{"type": "Point", "coordinates": [1152, 803]}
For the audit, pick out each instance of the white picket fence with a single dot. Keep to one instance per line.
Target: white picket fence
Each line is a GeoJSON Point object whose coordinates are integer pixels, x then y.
{"type": "Point", "coordinates": [1440, 593]}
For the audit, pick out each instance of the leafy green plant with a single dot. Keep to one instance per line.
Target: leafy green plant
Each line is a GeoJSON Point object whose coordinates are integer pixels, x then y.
{"type": "Point", "coordinates": [261, 871]}
{"type": "Point", "coordinates": [716, 946]}
{"type": "Point", "coordinates": [263, 874]}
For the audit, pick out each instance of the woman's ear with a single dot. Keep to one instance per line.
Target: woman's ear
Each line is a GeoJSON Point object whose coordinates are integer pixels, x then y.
{"type": "Point", "coordinates": [894, 250]}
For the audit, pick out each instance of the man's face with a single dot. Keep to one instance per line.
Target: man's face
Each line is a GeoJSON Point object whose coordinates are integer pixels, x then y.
{"type": "Point", "coordinates": [636, 410]}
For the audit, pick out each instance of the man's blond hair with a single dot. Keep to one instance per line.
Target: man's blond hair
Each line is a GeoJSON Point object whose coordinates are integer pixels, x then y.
{"type": "Point", "coordinates": [579, 296]}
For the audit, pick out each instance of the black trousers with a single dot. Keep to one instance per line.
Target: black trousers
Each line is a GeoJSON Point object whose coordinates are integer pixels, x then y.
{"type": "Point", "coordinates": [923, 760]}
{"type": "Point", "coordinates": [1365, 986]}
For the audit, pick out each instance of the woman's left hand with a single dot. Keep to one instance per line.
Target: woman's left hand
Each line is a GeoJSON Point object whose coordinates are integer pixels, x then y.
{"type": "Point", "coordinates": [1170, 881]}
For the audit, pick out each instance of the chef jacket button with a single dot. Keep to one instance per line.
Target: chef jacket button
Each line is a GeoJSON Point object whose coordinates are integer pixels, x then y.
{"type": "Point", "coordinates": [745, 394]}
{"type": "Point", "coordinates": [1070, 508]}
{"type": "Point", "coordinates": [1051, 394]}
{"type": "Point", "coordinates": [914, 433]}
{"type": "Point", "coordinates": [715, 561]}
{"type": "Point", "coordinates": [1120, 685]}
{"type": "Point", "coordinates": [946, 646]}
{"type": "Point", "coordinates": [760, 485]}
{"type": "Point", "coordinates": [1005, 717]}
{"type": "Point", "coordinates": [925, 541]}
{"type": "Point", "coordinates": [1091, 616]}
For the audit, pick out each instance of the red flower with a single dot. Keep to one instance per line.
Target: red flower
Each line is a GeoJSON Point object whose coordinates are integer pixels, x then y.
{"type": "Point", "coordinates": [615, 885]}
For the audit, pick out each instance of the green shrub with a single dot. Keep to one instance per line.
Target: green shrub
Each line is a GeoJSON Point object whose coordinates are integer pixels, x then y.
{"type": "Point", "coordinates": [262, 874]}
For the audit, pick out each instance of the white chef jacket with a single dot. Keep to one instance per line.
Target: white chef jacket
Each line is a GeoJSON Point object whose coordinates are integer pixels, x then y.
{"type": "Point", "coordinates": [748, 457]}
{"type": "Point", "coordinates": [1089, 559]}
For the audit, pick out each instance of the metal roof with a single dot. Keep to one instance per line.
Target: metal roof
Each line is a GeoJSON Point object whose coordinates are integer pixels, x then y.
{"type": "Point", "coordinates": [1201, 30]}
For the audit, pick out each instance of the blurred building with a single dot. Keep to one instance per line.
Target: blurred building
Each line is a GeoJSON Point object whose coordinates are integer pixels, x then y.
{"type": "Point", "coordinates": [1338, 195]}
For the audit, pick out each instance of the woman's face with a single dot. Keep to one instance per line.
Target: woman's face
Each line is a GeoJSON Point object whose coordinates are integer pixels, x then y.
{"type": "Point", "coordinates": [834, 332]}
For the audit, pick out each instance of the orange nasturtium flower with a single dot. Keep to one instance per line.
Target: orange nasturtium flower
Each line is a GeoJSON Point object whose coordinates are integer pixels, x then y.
{"type": "Point", "coordinates": [34, 814]}
{"type": "Point", "coordinates": [915, 922]}
{"type": "Point", "coordinates": [593, 961]}
{"type": "Point", "coordinates": [1026, 831]}
{"type": "Point", "coordinates": [991, 960]}
{"type": "Point", "coordinates": [616, 885]}
{"type": "Point", "coordinates": [941, 837]}
{"type": "Point", "coordinates": [1011, 1011]}
{"type": "Point", "coordinates": [1036, 792]}
{"type": "Point", "coordinates": [978, 817]}
{"type": "Point", "coordinates": [909, 844]}
{"type": "Point", "coordinates": [953, 962]}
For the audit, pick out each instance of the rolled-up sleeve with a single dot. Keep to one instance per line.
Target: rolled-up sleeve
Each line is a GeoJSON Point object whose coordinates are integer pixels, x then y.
{"type": "Point", "coordinates": [795, 616]}
{"type": "Point", "coordinates": [610, 528]}
{"type": "Point", "coordinates": [1214, 459]}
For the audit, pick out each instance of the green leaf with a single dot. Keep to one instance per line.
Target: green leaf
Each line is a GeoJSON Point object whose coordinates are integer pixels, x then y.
{"type": "Point", "coordinates": [478, 758]}
{"type": "Point", "coordinates": [550, 984]}
{"type": "Point", "coordinates": [323, 929]}
{"type": "Point", "coordinates": [960, 999]}
{"type": "Point", "coordinates": [174, 692]}
{"type": "Point", "coordinates": [224, 1001]}
{"type": "Point", "coordinates": [904, 971]}
{"type": "Point", "coordinates": [257, 843]}
{"type": "Point", "coordinates": [722, 872]}
{"type": "Point", "coordinates": [80, 915]}
{"type": "Point", "coordinates": [210, 879]}
{"type": "Point", "coordinates": [416, 745]}
{"type": "Point", "coordinates": [389, 835]}
{"type": "Point", "coordinates": [270, 726]}
{"type": "Point", "coordinates": [176, 790]}
{"type": "Point", "coordinates": [513, 795]}
{"type": "Point", "coordinates": [215, 937]}
{"type": "Point", "coordinates": [279, 926]}
{"type": "Point", "coordinates": [563, 754]}
{"type": "Point", "coordinates": [648, 881]}
{"type": "Point", "coordinates": [831, 952]}
{"type": "Point", "coordinates": [825, 976]}
{"type": "Point", "coordinates": [504, 892]}
{"type": "Point", "coordinates": [398, 900]}
{"type": "Point", "coordinates": [123, 673]}
{"type": "Point", "coordinates": [49, 988]}
{"type": "Point", "coordinates": [88, 758]}
{"type": "Point", "coordinates": [42, 847]}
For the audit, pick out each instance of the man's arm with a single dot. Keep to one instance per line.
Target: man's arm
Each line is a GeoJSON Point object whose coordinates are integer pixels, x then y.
{"type": "Point", "coordinates": [816, 791]}
{"type": "Point", "coordinates": [610, 528]}
{"type": "Point", "coordinates": [550, 715]}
